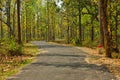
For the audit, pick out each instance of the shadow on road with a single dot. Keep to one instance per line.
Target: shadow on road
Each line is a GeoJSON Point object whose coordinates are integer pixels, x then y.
{"type": "Point", "coordinates": [72, 65]}
{"type": "Point", "coordinates": [53, 46]}
{"type": "Point", "coordinates": [61, 55]}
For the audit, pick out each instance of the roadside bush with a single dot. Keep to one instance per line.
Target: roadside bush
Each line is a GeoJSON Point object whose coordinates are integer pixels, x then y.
{"type": "Point", "coordinates": [75, 41]}
{"type": "Point", "coordinates": [12, 47]}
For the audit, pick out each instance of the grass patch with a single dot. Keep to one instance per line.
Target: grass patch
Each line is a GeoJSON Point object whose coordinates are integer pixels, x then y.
{"type": "Point", "coordinates": [30, 49]}
{"type": "Point", "coordinates": [10, 65]}
{"type": "Point", "coordinates": [116, 55]}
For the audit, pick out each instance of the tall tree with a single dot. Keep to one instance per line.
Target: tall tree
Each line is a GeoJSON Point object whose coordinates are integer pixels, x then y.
{"type": "Point", "coordinates": [1, 23]}
{"type": "Point", "coordinates": [19, 27]}
{"type": "Point", "coordinates": [80, 28]}
{"type": "Point", "coordinates": [100, 24]}
{"type": "Point", "coordinates": [8, 8]}
{"type": "Point", "coordinates": [48, 21]}
{"type": "Point", "coordinates": [106, 28]}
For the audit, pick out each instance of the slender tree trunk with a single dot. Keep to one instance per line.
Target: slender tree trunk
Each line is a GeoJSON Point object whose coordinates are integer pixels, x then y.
{"type": "Point", "coordinates": [26, 24]}
{"type": "Point", "coordinates": [92, 30]}
{"type": "Point", "coordinates": [30, 30]}
{"type": "Point", "coordinates": [38, 21]}
{"type": "Point", "coordinates": [80, 28]}
{"type": "Point", "coordinates": [33, 28]}
{"type": "Point", "coordinates": [83, 35]}
{"type": "Point", "coordinates": [68, 30]}
{"type": "Point", "coordinates": [34, 32]}
{"type": "Point", "coordinates": [14, 19]}
{"type": "Point", "coordinates": [53, 28]}
{"type": "Point", "coordinates": [116, 27]}
{"type": "Point", "coordinates": [1, 27]}
{"type": "Point", "coordinates": [101, 26]}
{"type": "Point", "coordinates": [61, 26]}
{"type": "Point", "coordinates": [19, 27]}
{"type": "Point", "coordinates": [8, 17]}
{"type": "Point", "coordinates": [48, 22]}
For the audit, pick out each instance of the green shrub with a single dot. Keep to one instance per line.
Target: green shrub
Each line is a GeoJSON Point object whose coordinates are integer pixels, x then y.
{"type": "Point", "coordinates": [76, 41]}
{"type": "Point", "coordinates": [116, 55]}
{"type": "Point", "coordinates": [12, 47]}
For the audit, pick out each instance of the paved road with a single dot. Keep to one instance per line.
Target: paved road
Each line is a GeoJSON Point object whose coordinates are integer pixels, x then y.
{"type": "Point", "coordinates": [57, 62]}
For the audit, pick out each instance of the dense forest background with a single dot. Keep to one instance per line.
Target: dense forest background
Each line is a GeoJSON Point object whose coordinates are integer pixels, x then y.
{"type": "Point", "coordinates": [88, 23]}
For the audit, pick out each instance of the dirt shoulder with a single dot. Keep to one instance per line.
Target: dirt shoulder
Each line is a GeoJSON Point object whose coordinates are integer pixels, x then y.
{"type": "Point", "coordinates": [99, 59]}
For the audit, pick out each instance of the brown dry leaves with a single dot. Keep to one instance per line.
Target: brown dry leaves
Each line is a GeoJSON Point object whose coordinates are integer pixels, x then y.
{"type": "Point", "coordinates": [99, 59]}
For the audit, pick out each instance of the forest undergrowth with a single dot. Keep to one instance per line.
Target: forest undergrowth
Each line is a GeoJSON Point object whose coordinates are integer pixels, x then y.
{"type": "Point", "coordinates": [113, 64]}
{"type": "Point", "coordinates": [13, 57]}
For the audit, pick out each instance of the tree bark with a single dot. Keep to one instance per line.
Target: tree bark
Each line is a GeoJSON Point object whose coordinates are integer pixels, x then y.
{"type": "Point", "coordinates": [92, 33]}
{"type": "Point", "coordinates": [18, 19]}
{"type": "Point", "coordinates": [26, 25]}
{"type": "Point", "coordinates": [116, 27]}
{"type": "Point", "coordinates": [14, 19]}
{"type": "Point", "coordinates": [1, 27]}
{"type": "Point", "coordinates": [48, 22]}
{"type": "Point", "coordinates": [100, 24]}
{"type": "Point", "coordinates": [8, 17]}
{"type": "Point", "coordinates": [107, 35]}
{"type": "Point", "coordinates": [68, 28]}
{"type": "Point", "coordinates": [80, 28]}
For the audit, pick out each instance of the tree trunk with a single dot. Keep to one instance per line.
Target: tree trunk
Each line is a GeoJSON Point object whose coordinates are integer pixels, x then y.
{"type": "Point", "coordinates": [26, 25]}
{"type": "Point", "coordinates": [38, 21]}
{"type": "Point", "coordinates": [80, 29]}
{"type": "Point", "coordinates": [19, 28]}
{"type": "Point", "coordinates": [92, 34]}
{"type": "Point", "coordinates": [68, 30]}
{"type": "Point", "coordinates": [1, 27]}
{"type": "Point", "coordinates": [14, 19]}
{"type": "Point", "coordinates": [107, 35]}
{"type": "Point", "coordinates": [8, 18]}
{"type": "Point", "coordinates": [53, 28]}
{"type": "Point", "coordinates": [101, 25]}
{"type": "Point", "coordinates": [48, 22]}
{"type": "Point", "coordinates": [68, 35]}
{"type": "Point", "coordinates": [116, 27]}
{"type": "Point", "coordinates": [92, 30]}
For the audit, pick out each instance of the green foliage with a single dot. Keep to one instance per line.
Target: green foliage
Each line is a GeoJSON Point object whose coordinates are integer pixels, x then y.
{"type": "Point", "coordinates": [116, 55]}
{"type": "Point", "coordinates": [11, 47]}
{"type": "Point", "coordinates": [14, 48]}
{"type": "Point", "coordinates": [85, 19]}
{"type": "Point", "coordinates": [89, 43]}
{"type": "Point", "coordinates": [76, 41]}
{"type": "Point", "coordinates": [24, 62]}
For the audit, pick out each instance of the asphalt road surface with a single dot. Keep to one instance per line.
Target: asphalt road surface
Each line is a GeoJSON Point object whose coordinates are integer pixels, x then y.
{"type": "Point", "coordinates": [58, 62]}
